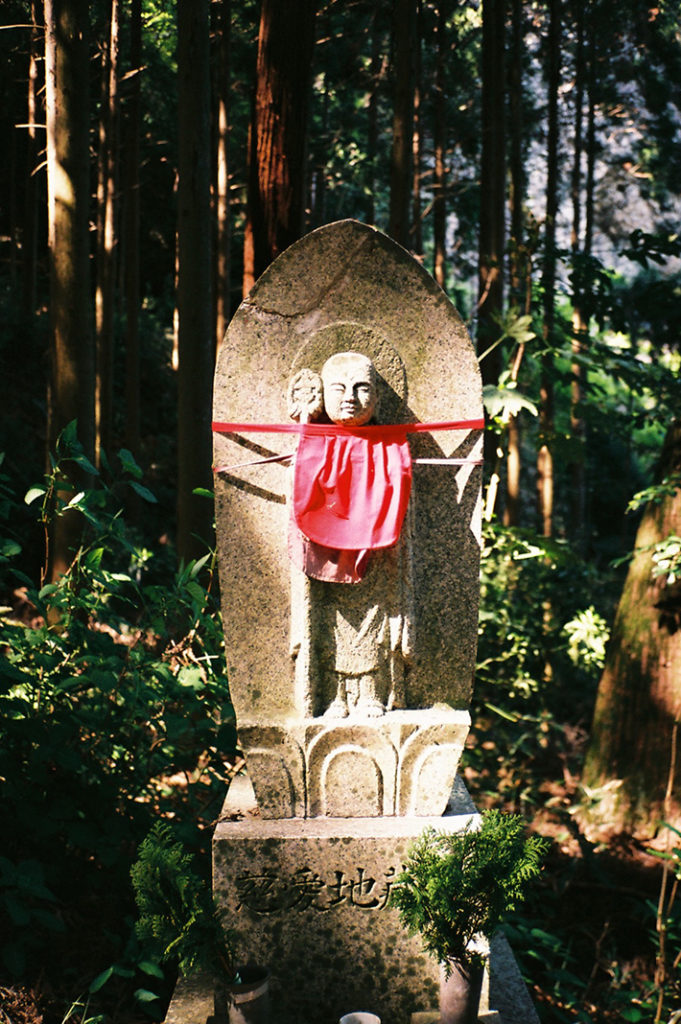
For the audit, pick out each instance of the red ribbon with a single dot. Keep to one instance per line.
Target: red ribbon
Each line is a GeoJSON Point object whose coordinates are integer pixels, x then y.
{"type": "Point", "coordinates": [376, 430]}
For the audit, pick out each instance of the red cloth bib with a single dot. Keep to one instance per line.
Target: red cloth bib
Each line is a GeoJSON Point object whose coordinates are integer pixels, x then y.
{"type": "Point", "coordinates": [351, 491]}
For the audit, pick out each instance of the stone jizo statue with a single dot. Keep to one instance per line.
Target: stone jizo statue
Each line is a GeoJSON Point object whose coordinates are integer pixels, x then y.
{"type": "Point", "coordinates": [351, 608]}
{"type": "Point", "coordinates": [350, 581]}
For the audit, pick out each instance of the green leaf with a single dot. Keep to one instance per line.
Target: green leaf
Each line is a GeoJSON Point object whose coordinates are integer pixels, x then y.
{"type": "Point", "coordinates": [100, 980]}
{"type": "Point", "coordinates": [632, 1013]}
{"type": "Point", "coordinates": [144, 995]}
{"type": "Point", "coordinates": [84, 463]}
{"type": "Point", "coordinates": [48, 589]}
{"type": "Point", "coordinates": [9, 548]}
{"type": "Point", "coordinates": [506, 402]}
{"type": "Point", "coordinates": [33, 493]}
{"type": "Point", "coordinates": [151, 968]}
{"type": "Point", "coordinates": [198, 565]}
{"type": "Point", "coordinates": [203, 492]}
{"type": "Point", "coordinates": [196, 591]}
{"type": "Point", "coordinates": [129, 463]}
{"type": "Point", "coordinates": [143, 492]}
{"type": "Point", "coordinates": [191, 678]}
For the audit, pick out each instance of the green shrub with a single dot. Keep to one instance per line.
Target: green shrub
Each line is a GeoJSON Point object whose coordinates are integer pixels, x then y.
{"type": "Point", "coordinates": [456, 886]}
{"type": "Point", "coordinates": [114, 706]}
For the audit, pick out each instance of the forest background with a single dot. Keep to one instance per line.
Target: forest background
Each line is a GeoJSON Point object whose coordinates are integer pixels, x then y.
{"type": "Point", "coordinates": [157, 156]}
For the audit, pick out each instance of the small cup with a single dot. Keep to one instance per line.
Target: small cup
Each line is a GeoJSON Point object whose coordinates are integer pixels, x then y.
{"type": "Point", "coordinates": [360, 1017]}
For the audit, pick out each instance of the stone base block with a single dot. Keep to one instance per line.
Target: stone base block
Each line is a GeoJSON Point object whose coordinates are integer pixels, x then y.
{"type": "Point", "coordinates": [308, 899]}
{"type": "Point", "coordinates": [401, 763]}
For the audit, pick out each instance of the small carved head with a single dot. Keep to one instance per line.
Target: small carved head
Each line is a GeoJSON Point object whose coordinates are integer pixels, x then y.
{"type": "Point", "coordinates": [305, 396]}
{"type": "Point", "coordinates": [350, 391]}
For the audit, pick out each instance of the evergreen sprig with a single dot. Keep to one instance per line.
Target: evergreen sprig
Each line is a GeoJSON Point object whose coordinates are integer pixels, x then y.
{"type": "Point", "coordinates": [177, 917]}
{"type": "Point", "coordinates": [456, 886]}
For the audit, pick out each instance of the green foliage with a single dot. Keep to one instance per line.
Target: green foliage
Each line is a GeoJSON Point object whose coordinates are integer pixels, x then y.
{"type": "Point", "coordinates": [456, 886]}
{"type": "Point", "coordinates": [588, 635]}
{"type": "Point", "coordinates": [113, 705]}
{"type": "Point", "coordinates": [177, 919]}
{"type": "Point", "coordinates": [518, 633]}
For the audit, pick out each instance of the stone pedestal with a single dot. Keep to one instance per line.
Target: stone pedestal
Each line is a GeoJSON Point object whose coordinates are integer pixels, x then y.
{"type": "Point", "coordinates": [402, 763]}
{"type": "Point", "coordinates": [308, 899]}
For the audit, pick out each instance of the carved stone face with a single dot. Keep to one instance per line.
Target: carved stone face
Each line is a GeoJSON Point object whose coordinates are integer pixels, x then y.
{"type": "Point", "coordinates": [305, 398]}
{"type": "Point", "coordinates": [350, 395]}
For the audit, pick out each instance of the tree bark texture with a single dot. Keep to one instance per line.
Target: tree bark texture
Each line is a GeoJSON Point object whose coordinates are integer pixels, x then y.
{"type": "Point", "coordinates": [222, 261]}
{"type": "Point", "coordinates": [492, 186]}
{"type": "Point", "coordinates": [107, 189]}
{"type": "Point", "coordinates": [71, 393]}
{"type": "Point", "coordinates": [375, 74]}
{"type": "Point", "coordinates": [580, 320]}
{"type": "Point", "coordinates": [639, 694]}
{"type": "Point", "coordinates": [516, 165]}
{"type": "Point", "coordinates": [131, 234]}
{"type": "Point", "coordinates": [519, 256]}
{"type": "Point", "coordinates": [30, 232]}
{"type": "Point", "coordinates": [417, 136]}
{"type": "Point", "coordinates": [278, 137]}
{"type": "Point", "coordinates": [196, 338]}
{"type": "Point", "coordinates": [545, 476]}
{"type": "Point", "coordinates": [401, 160]}
{"type": "Point", "coordinates": [440, 150]}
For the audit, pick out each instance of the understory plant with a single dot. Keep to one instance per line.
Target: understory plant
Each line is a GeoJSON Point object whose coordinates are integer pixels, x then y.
{"type": "Point", "coordinates": [457, 886]}
{"type": "Point", "coordinates": [177, 919]}
{"type": "Point", "coordinates": [114, 704]}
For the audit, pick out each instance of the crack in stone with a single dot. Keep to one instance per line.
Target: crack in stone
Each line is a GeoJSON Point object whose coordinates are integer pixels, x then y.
{"type": "Point", "coordinates": [321, 296]}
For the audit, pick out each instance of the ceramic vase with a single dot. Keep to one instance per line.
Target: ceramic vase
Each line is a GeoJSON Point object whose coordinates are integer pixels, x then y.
{"type": "Point", "coordinates": [248, 1001]}
{"type": "Point", "coordinates": [460, 993]}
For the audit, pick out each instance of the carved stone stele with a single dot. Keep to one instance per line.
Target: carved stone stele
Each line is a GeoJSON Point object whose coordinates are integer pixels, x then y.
{"type": "Point", "coordinates": [351, 698]}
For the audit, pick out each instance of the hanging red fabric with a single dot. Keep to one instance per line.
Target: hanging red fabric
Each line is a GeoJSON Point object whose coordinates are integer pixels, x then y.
{"type": "Point", "coordinates": [350, 490]}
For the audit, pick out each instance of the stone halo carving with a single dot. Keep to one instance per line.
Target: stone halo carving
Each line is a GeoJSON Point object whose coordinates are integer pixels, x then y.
{"type": "Point", "coordinates": [349, 336]}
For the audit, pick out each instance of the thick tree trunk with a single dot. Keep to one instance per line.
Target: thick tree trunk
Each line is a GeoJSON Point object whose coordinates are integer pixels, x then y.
{"type": "Point", "coordinates": [492, 186]}
{"type": "Point", "coordinates": [222, 268]}
{"type": "Point", "coordinates": [278, 137]}
{"type": "Point", "coordinates": [639, 695]}
{"type": "Point", "coordinates": [107, 188]}
{"type": "Point", "coordinates": [131, 233]}
{"type": "Point", "coordinates": [196, 338]}
{"type": "Point", "coordinates": [545, 478]}
{"type": "Point", "coordinates": [404, 30]}
{"type": "Point", "coordinates": [71, 394]}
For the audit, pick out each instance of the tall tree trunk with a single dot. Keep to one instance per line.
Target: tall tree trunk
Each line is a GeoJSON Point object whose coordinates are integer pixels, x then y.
{"type": "Point", "coordinates": [639, 694]}
{"type": "Point", "coordinates": [30, 232]}
{"type": "Point", "coordinates": [417, 136]}
{"type": "Point", "coordinates": [375, 69]}
{"type": "Point", "coordinates": [404, 28]}
{"type": "Point", "coordinates": [317, 203]}
{"type": "Point", "coordinates": [196, 341]}
{"type": "Point", "coordinates": [580, 323]}
{"type": "Point", "coordinates": [278, 137]}
{"type": "Point", "coordinates": [492, 186]}
{"type": "Point", "coordinates": [222, 275]}
{"type": "Point", "coordinates": [131, 233]}
{"type": "Point", "coordinates": [545, 478]}
{"type": "Point", "coordinates": [71, 392]}
{"type": "Point", "coordinates": [516, 163]}
{"type": "Point", "coordinates": [492, 212]}
{"type": "Point", "coordinates": [520, 256]}
{"type": "Point", "coordinates": [107, 188]}
{"type": "Point", "coordinates": [440, 148]}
